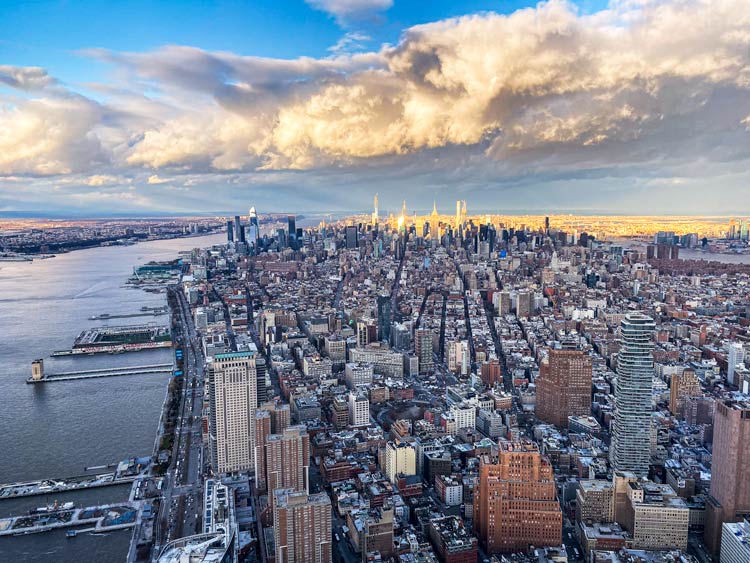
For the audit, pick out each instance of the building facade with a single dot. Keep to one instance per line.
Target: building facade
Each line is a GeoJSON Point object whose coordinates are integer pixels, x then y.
{"type": "Point", "coordinates": [630, 449]}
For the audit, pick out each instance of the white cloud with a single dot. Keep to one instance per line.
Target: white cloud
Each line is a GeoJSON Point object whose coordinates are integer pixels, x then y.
{"type": "Point", "coordinates": [25, 77]}
{"type": "Point", "coordinates": [344, 10]}
{"type": "Point", "coordinates": [154, 179]}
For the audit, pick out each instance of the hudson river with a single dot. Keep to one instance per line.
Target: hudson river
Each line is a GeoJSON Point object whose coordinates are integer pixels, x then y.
{"type": "Point", "coordinates": [54, 430]}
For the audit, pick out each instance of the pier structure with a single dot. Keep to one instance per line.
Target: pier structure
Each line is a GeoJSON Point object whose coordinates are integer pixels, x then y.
{"type": "Point", "coordinates": [38, 375]}
{"type": "Point", "coordinates": [102, 518]}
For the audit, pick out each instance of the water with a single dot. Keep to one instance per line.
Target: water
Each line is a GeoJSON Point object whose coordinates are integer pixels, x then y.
{"type": "Point", "coordinates": [689, 254]}
{"type": "Point", "coordinates": [57, 429]}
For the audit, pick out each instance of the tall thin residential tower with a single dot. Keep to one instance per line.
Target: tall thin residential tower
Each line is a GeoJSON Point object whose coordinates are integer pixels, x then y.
{"type": "Point", "coordinates": [630, 449]}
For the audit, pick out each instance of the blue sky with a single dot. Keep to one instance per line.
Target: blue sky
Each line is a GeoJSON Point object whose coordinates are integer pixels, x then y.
{"type": "Point", "coordinates": [206, 106]}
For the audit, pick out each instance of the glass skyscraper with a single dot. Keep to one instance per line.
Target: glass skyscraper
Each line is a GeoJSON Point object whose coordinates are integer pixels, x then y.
{"type": "Point", "coordinates": [631, 444]}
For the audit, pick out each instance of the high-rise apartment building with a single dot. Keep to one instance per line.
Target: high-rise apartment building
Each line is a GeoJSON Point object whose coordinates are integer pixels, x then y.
{"type": "Point", "coordinates": [359, 408]}
{"type": "Point", "coordinates": [423, 350]}
{"type": "Point", "coordinates": [302, 527]}
{"type": "Point", "coordinates": [515, 501]}
{"type": "Point", "coordinates": [400, 459]}
{"type": "Point", "coordinates": [631, 431]}
{"type": "Point", "coordinates": [729, 499]}
{"type": "Point", "coordinates": [262, 432]}
{"type": "Point", "coordinates": [288, 459]}
{"type": "Point", "coordinates": [563, 388]}
{"type": "Point", "coordinates": [233, 400]}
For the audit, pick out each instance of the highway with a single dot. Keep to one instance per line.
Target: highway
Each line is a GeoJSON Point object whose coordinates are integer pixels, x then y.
{"type": "Point", "coordinates": [182, 491]}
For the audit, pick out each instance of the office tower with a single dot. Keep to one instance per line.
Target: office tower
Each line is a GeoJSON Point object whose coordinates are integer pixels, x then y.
{"type": "Point", "coordinates": [359, 408]}
{"type": "Point", "coordinates": [253, 218]}
{"type": "Point", "coordinates": [735, 357]}
{"type": "Point", "coordinates": [434, 222]}
{"type": "Point", "coordinates": [375, 212]}
{"type": "Point", "coordinates": [682, 385]}
{"type": "Point", "coordinates": [515, 500]}
{"type": "Point", "coordinates": [630, 449]}
{"type": "Point", "coordinates": [233, 400]}
{"type": "Point", "coordinates": [458, 215]}
{"type": "Point", "coordinates": [729, 499]}
{"type": "Point", "coordinates": [400, 459]}
{"type": "Point", "coordinates": [546, 225]}
{"type": "Point", "coordinates": [262, 432]}
{"type": "Point", "coordinates": [302, 527]}
{"type": "Point", "coordinates": [288, 459]}
{"type": "Point", "coordinates": [423, 350]}
{"type": "Point", "coordinates": [384, 318]}
{"type": "Point", "coordinates": [563, 388]}
{"type": "Point", "coordinates": [292, 222]}
{"type": "Point", "coordinates": [351, 236]}
{"type": "Point", "coordinates": [239, 233]}
{"type": "Point", "coordinates": [230, 231]}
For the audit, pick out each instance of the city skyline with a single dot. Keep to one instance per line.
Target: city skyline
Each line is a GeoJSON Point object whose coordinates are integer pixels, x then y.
{"type": "Point", "coordinates": [625, 107]}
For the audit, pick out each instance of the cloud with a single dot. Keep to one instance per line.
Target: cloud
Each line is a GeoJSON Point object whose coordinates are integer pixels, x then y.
{"type": "Point", "coordinates": [347, 10]}
{"type": "Point", "coordinates": [28, 78]}
{"type": "Point", "coordinates": [351, 41]}
{"type": "Point", "coordinates": [543, 93]}
{"type": "Point", "coordinates": [154, 179]}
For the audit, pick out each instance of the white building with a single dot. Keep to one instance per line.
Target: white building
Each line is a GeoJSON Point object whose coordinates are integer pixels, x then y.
{"type": "Point", "coordinates": [400, 459]}
{"type": "Point", "coordinates": [735, 542]}
{"type": "Point", "coordinates": [359, 409]}
{"type": "Point", "coordinates": [735, 357]}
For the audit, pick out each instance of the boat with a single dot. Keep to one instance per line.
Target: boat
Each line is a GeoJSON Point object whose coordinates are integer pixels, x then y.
{"type": "Point", "coordinates": [54, 507]}
{"type": "Point", "coordinates": [71, 534]}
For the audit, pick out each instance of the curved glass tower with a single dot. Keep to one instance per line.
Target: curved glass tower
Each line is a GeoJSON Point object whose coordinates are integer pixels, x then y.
{"type": "Point", "coordinates": [631, 444]}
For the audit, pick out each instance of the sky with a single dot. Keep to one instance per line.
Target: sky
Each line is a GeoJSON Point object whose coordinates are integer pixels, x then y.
{"type": "Point", "coordinates": [186, 107]}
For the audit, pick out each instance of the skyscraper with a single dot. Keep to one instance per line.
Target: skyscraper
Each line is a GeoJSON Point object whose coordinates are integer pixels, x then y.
{"type": "Point", "coordinates": [384, 318]}
{"type": "Point", "coordinates": [233, 400]}
{"type": "Point", "coordinates": [239, 232]}
{"type": "Point", "coordinates": [729, 500]}
{"type": "Point", "coordinates": [564, 386]}
{"type": "Point", "coordinates": [375, 212]}
{"type": "Point", "coordinates": [292, 222]}
{"type": "Point", "coordinates": [230, 231]}
{"type": "Point", "coordinates": [423, 350]}
{"type": "Point", "coordinates": [351, 236]}
{"type": "Point", "coordinates": [515, 501]}
{"type": "Point", "coordinates": [302, 527]}
{"type": "Point", "coordinates": [631, 431]}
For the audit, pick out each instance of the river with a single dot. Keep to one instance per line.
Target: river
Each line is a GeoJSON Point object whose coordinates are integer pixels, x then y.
{"type": "Point", "coordinates": [57, 429]}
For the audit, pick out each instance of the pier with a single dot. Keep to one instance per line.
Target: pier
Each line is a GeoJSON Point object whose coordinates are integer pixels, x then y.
{"type": "Point", "coordinates": [127, 471]}
{"type": "Point", "coordinates": [104, 518]}
{"type": "Point", "coordinates": [96, 373]}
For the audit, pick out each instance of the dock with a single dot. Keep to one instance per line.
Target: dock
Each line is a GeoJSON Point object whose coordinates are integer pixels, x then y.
{"type": "Point", "coordinates": [104, 372]}
{"type": "Point", "coordinates": [104, 518]}
{"type": "Point", "coordinates": [127, 471]}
